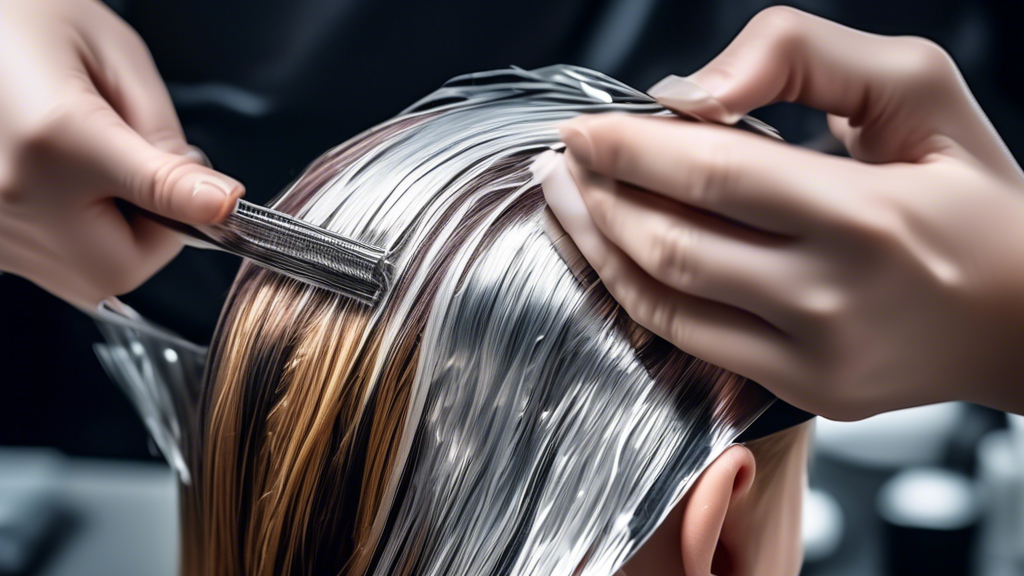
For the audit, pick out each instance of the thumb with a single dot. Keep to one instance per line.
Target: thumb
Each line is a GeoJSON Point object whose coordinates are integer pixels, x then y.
{"type": "Point", "coordinates": [787, 55]}
{"type": "Point", "coordinates": [170, 185]}
{"type": "Point", "coordinates": [175, 186]}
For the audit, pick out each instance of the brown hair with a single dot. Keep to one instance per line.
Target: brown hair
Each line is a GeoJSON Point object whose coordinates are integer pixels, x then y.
{"type": "Point", "coordinates": [304, 405]}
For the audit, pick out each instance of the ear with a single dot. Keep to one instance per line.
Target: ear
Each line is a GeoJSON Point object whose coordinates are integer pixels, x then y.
{"type": "Point", "coordinates": [714, 538]}
{"type": "Point", "coordinates": [701, 521]}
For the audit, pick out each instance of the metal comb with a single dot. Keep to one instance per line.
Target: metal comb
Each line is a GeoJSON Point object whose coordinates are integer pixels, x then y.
{"type": "Point", "coordinates": [297, 249]}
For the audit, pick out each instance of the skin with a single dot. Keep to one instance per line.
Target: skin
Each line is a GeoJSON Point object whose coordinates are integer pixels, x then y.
{"type": "Point", "coordinates": [846, 286]}
{"type": "Point", "coordinates": [85, 119]}
{"type": "Point", "coordinates": [732, 522]}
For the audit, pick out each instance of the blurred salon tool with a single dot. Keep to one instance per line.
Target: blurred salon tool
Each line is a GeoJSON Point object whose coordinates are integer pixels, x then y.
{"type": "Point", "coordinates": [295, 248]}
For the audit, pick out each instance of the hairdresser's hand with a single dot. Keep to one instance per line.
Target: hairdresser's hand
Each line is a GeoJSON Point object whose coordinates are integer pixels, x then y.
{"type": "Point", "coordinates": [846, 286]}
{"type": "Point", "coordinates": [85, 119]}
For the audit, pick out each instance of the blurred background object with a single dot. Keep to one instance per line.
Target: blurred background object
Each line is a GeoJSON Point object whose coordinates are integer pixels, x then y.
{"type": "Point", "coordinates": [290, 80]}
{"type": "Point", "coordinates": [930, 490]}
{"type": "Point", "coordinates": [62, 516]}
{"type": "Point", "coordinates": [1001, 487]}
{"type": "Point", "coordinates": [930, 519]}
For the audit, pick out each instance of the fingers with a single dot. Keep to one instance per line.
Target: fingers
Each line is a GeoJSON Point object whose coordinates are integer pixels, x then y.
{"type": "Point", "coordinates": [154, 245]}
{"type": "Point", "coordinates": [167, 184]}
{"type": "Point", "coordinates": [755, 180]}
{"type": "Point", "coordinates": [897, 92]}
{"type": "Point", "coordinates": [123, 164]}
{"type": "Point", "coordinates": [784, 54]}
{"type": "Point", "coordinates": [103, 255]}
{"type": "Point", "coordinates": [122, 69]}
{"type": "Point", "coordinates": [687, 250]}
{"type": "Point", "coordinates": [714, 332]}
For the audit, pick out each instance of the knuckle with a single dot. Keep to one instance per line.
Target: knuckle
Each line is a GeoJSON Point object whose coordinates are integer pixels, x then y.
{"type": "Point", "coordinates": [612, 147]}
{"type": "Point", "coordinates": [925, 63]}
{"type": "Point", "coordinates": [159, 179]}
{"type": "Point", "coordinates": [603, 208]}
{"type": "Point", "coordinates": [681, 331]}
{"type": "Point", "coordinates": [870, 220]}
{"type": "Point", "coordinates": [824, 350]}
{"type": "Point", "coordinates": [711, 170]}
{"type": "Point", "coordinates": [671, 255]}
{"type": "Point", "coordinates": [136, 44]}
{"type": "Point", "coordinates": [675, 322]}
{"type": "Point", "coordinates": [643, 311]}
{"type": "Point", "coordinates": [657, 316]}
{"type": "Point", "coordinates": [880, 231]}
{"type": "Point", "coordinates": [823, 307]}
{"type": "Point", "coordinates": [785, 27]}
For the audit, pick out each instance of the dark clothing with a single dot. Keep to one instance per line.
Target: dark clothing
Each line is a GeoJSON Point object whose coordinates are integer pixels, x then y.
{"type": "Point", "coordinates": [265, 86]}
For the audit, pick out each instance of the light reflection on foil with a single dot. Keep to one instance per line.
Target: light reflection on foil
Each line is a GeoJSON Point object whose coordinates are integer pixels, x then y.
{"type": "Point", "coordinates": [542, 441]}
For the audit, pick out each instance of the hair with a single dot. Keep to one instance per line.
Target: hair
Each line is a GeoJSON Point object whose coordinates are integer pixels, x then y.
{"type": "Point", "coordinates": [497, 413]}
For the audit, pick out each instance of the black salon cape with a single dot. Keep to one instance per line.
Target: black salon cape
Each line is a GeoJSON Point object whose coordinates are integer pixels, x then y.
{"type": "Point", "coordinates": [265, 86]}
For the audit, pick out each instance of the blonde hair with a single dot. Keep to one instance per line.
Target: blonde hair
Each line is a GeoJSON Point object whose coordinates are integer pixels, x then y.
{"type": "Point", "coordinates": [424, 433]}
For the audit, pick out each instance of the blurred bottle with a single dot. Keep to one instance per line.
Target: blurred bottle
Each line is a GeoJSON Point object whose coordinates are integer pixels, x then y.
{"type": "Point", "coordinates": [930, 518]}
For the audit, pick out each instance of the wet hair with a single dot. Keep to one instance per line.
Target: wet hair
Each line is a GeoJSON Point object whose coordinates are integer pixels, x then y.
{"type": "Point", "coordinates": [497, 413]}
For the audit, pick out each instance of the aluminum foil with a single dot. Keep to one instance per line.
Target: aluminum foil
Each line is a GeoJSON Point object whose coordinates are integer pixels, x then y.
{"type": "Point", "coordinates": [546, 433]}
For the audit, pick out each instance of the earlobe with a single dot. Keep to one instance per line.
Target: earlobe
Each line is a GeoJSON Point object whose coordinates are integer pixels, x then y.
{"type": "Point", "coordinates": [708, 545]}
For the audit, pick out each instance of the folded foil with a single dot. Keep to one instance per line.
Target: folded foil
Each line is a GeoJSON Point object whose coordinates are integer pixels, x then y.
{"type": "Point", "coordinates": [541, 438]}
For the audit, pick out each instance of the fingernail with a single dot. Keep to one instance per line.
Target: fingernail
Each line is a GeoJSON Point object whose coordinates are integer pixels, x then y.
{"type": "Point", "coordinates": [688, 98]}
{"type": "Point", "coordinates": [210, 199]}
{"type": "Point", "coordinates": [560, 190]}
{"type": "Point", "coordinates": [577, 141]}
{"type": "Point", "coordinates": [564, 199]}
{"type": "Point", "coordinates": [542, 165]}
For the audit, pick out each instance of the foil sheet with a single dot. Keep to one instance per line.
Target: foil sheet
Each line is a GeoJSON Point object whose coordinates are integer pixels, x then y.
{"type": "Point", "coordinates": [160, 372]}
{"type": "Point", "coordinates": [540, 438]}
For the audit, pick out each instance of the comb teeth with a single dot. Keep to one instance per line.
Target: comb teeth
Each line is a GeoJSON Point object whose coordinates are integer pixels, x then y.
{"type": "Point", "coordinates": [302, 251]}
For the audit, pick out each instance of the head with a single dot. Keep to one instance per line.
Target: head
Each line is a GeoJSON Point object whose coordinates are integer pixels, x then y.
{"type": "Point", "coordinates": [497, 412]}
{"type": "Point", "coordinates": [741, 517]}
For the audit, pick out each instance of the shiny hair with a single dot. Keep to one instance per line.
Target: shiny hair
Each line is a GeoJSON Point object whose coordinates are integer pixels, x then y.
{"type": "Point", "coordinates": [496, 413]}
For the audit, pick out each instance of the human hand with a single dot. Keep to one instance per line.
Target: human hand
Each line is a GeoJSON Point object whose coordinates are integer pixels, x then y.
{"type": "Point", "coordinates": [847, 287]}
{"type": "Point", "coordinates": [85, 119]}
